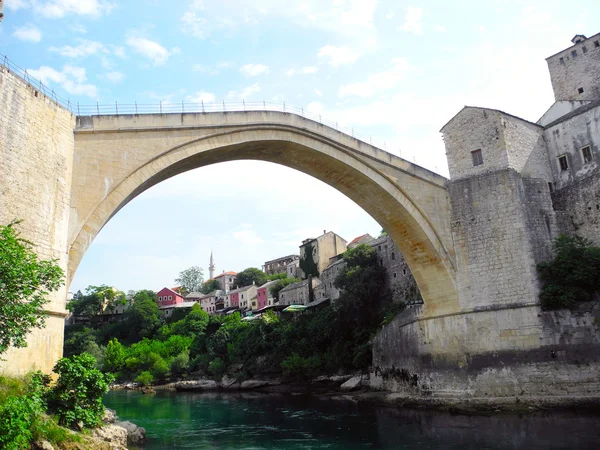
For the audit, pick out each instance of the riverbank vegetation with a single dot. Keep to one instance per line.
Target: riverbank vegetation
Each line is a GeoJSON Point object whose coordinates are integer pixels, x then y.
{"type": "Point", "coordinates": [146, 348]}
{"type": "Point", "coordinates": [31, 408]}
{"type": "Point", "coordinates": [572, 276]}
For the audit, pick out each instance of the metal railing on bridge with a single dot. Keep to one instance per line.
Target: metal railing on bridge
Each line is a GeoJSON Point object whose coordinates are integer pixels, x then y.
{"type": "Point", "coordinates": [175, 107]}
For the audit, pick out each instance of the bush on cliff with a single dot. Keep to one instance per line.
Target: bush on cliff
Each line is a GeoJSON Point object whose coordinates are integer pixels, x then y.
{"type": "Point", "coordinates": [77, 395]}
{"type": "Point", "coordinates": [25, 282]}
{"type": "Point", "coordinates": [573, 276]}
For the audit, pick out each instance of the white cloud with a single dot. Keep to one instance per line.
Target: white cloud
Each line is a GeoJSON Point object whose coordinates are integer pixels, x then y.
{"type": "Point", "coordinates": [337, 56]}
{"type": "Point", "coordinates": [390, 15]}
{"type": "Point", "coordinates": [28, 33]}
{"type": "Point", "coordinates": [245, 93]}
{"type": "Point", "coordinates": [212, 69]}
{"type": "Point", "coordinates": [248, 237]}
{"type": "Point", "coordinates": [149, 49]}
{"type": "Point", "coordinates": [78, 29]}
{"type": "Point", "coordinates": [85, 48]}
{"type": "Point", "coordinates": [201, 97]}
{"type": "Point", "coordinates": [196, 26]}
{"type": "Point", "coordinates": [414, 20]}
{"type": "Point", "coordinates": [118, 50]}
{"type": "Point", "coordinates": [319, 93]}
{"type": "Point", "coordinates": [56, 9]}
{"type": "Point", "coordinates": [114, 77]}
{"type": "Point", "coordinates": [71, 79]}
{"type": "Point", "coordinates": [377, 82]}
{"type": "Point", "coordinates": [254, 70]}
{"type": "Point", "coordinates": [17, 4]}
{"type": "Point", "coordinates": [440, 28]}
{"type": "Point", "coordinates": [306, 70]}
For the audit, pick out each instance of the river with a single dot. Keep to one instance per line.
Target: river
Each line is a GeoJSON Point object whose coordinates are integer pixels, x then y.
{"type": "Point", "coordinates": [270, 421]}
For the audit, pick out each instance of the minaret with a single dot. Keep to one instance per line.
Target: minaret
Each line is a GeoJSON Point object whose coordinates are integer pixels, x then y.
{"type": "Point", "coordinates": [211, 266]}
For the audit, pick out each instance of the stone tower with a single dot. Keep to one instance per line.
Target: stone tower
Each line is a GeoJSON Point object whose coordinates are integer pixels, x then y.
{"type": "Point", "coordinates": [575, 71]}
{"type": "Point", "coordinates": [211, 266]}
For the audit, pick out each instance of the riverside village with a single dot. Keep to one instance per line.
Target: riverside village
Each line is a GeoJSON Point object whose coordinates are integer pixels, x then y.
{"type": "Point", "coordinates": [163, 284]}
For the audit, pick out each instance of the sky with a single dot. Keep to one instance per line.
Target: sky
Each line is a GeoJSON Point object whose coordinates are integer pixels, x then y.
{"type": "Point", "coordinates": [392, 71]}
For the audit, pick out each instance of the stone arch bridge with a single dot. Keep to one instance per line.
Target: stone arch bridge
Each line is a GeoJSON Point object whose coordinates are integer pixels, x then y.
{"type": "Point", "coordinates": [471, 243]}
{"type": "Point", "coordinates": [118, 157]}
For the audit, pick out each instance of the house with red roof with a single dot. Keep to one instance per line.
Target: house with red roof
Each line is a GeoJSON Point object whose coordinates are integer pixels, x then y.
{"type": "Point", "coordinates": [168, 297]}
{"type": "Point", "coordinates": [226, 280]}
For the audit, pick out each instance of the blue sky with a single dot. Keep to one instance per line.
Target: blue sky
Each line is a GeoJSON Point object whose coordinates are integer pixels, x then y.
{"type": "Point", "coordinates": [392, 70]}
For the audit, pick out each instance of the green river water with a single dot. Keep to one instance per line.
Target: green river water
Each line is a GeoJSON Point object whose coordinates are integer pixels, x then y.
{"type": "Point", "coordinates": [270, 421]}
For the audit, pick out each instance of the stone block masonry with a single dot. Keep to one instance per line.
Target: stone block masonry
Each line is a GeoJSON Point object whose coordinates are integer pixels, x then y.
{"type": "Point", "coordinates": [36, 161]}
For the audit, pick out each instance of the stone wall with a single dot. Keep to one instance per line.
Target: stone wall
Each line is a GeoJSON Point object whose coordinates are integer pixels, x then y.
{"type": "Point", "coordinates": [567, 137]}
{"type": "Point", "coordinates": [578, 208]}
{"type": "Point", "coordinates": [574, 68]}
{"type": "Point", "coordinates": [36, 154]}
{"type": "Point", "coordinates": [503, 225]}
{"type": "Point", "coordinates": [496, 352]}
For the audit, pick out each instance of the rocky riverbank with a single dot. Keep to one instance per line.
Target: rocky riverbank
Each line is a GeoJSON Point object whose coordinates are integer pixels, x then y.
{"type": "Point", "coordinates": [355, 387]}
{"type": "Point", "coordinates": [112, 435]}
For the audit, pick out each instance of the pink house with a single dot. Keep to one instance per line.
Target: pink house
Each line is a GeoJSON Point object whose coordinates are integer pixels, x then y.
{"type": "Point", "coordinates": [168, 297]}
{"type": "Point", "coordinates": [234, 299]}
{"type": "Point", "coordinates": [263, 295]}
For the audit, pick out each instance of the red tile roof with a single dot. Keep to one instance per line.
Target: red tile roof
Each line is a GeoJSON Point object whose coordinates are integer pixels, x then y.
{"type": "Point", "coordinates": [355, 240]}
{"type": "Point", "coordinates": [227, 273]}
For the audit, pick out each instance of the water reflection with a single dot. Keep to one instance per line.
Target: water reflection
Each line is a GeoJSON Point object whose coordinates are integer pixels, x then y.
{"type": "Point", "coordinates": [260, 421]}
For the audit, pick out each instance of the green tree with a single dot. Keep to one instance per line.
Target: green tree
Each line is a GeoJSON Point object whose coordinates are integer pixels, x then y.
{"type": "Point", "coordinates": [142, 318]}
{"type": "Point", "coordinates": [210, 286]}
{"type": "Point", "coordinates": [25, 282]}
{"type": "Point", "coordinates": [281, 283]}
{"type": "Point", "coordinates": [96, 300]}
{"type": "Point", "coordinates": [250, 275]}
{"type": "Point", "coordinates": [145, 294]}
{"type": "Point", "coordinates": [77, 395]}
{"type": "Point", "coordinates": [114, 358]}
{"type": "Point", "coordinates": [573, 275]}
{"type": "Point", "coordinates": [191, 279]}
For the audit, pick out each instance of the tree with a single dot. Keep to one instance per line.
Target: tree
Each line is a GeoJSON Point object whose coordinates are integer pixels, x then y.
{"type": "Point", "coordinates": [114, 359]}
{"type": "Point", "coordinates": [96, 300]}
{"type": "Point", "coordinates": [277, 287]}
{"type": "Point", "coordinates": [572, 276]}
{"type": "Point", "coordinates": [363, 299]}
{"type": "Point", "coordinates": [145, 294]}
{"type": "Point", "coordinates": [210, 286]}
{"type": "Point", "coordinates": [191, 279]}
{"type": "Point", "coordinates": [249, 276]}
{"type": "Point", "coordinates": [142, 318]}
{"type": "Point", "coordinates": [25, 281]}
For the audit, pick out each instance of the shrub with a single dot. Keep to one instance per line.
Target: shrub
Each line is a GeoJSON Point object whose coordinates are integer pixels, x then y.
{"type": "Point", "coordinates": [295, 365]}
{"type": "Point", "coordinates": [114, 358]}
{"type": "Point", "coordinates": [200, 363]}
{"type": "Point", "coordinates": [21, 414]}
{"type": "Point", "coordinates": [217, 367]}
{"type": "Point", "coordinates": [572, 276]}
{"type": "Point", "coordinates": [160, 369]}
{"type": "Point", "coordinates": [145, 378]}
{"type": "Point", "coordinates": [77, 395]}
{"type": "Point", "coordinates": [179, 364]}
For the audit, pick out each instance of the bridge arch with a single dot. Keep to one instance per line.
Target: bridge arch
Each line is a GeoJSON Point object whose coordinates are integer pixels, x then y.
{"type": "Point", "coordinates": [167, 152]}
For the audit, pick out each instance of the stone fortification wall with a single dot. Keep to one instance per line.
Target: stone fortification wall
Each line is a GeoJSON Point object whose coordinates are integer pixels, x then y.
{"type": "Point", "coordinates": [36, 160]}
{"type": "Point", "coordinates": [578, 208]}
{"type": "Point", "coordinates": [503, 225]}
{"type": "Point", "coordinates": [505, 141]}
{"type": "Point", "coordinates": [507, 352]}
{"type": "Point", "coordinates": [577, 67]}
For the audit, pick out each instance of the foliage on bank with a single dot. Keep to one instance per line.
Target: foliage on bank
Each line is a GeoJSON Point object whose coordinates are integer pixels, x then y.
{"type": "Point", "coordinates": [191, 343]}
{"type": "Point", "coordinates": [32, 409]}
{"type": "Point", "coordinates": [573, 276]}
{"type": "Point", "coordinates": [25, 282]}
